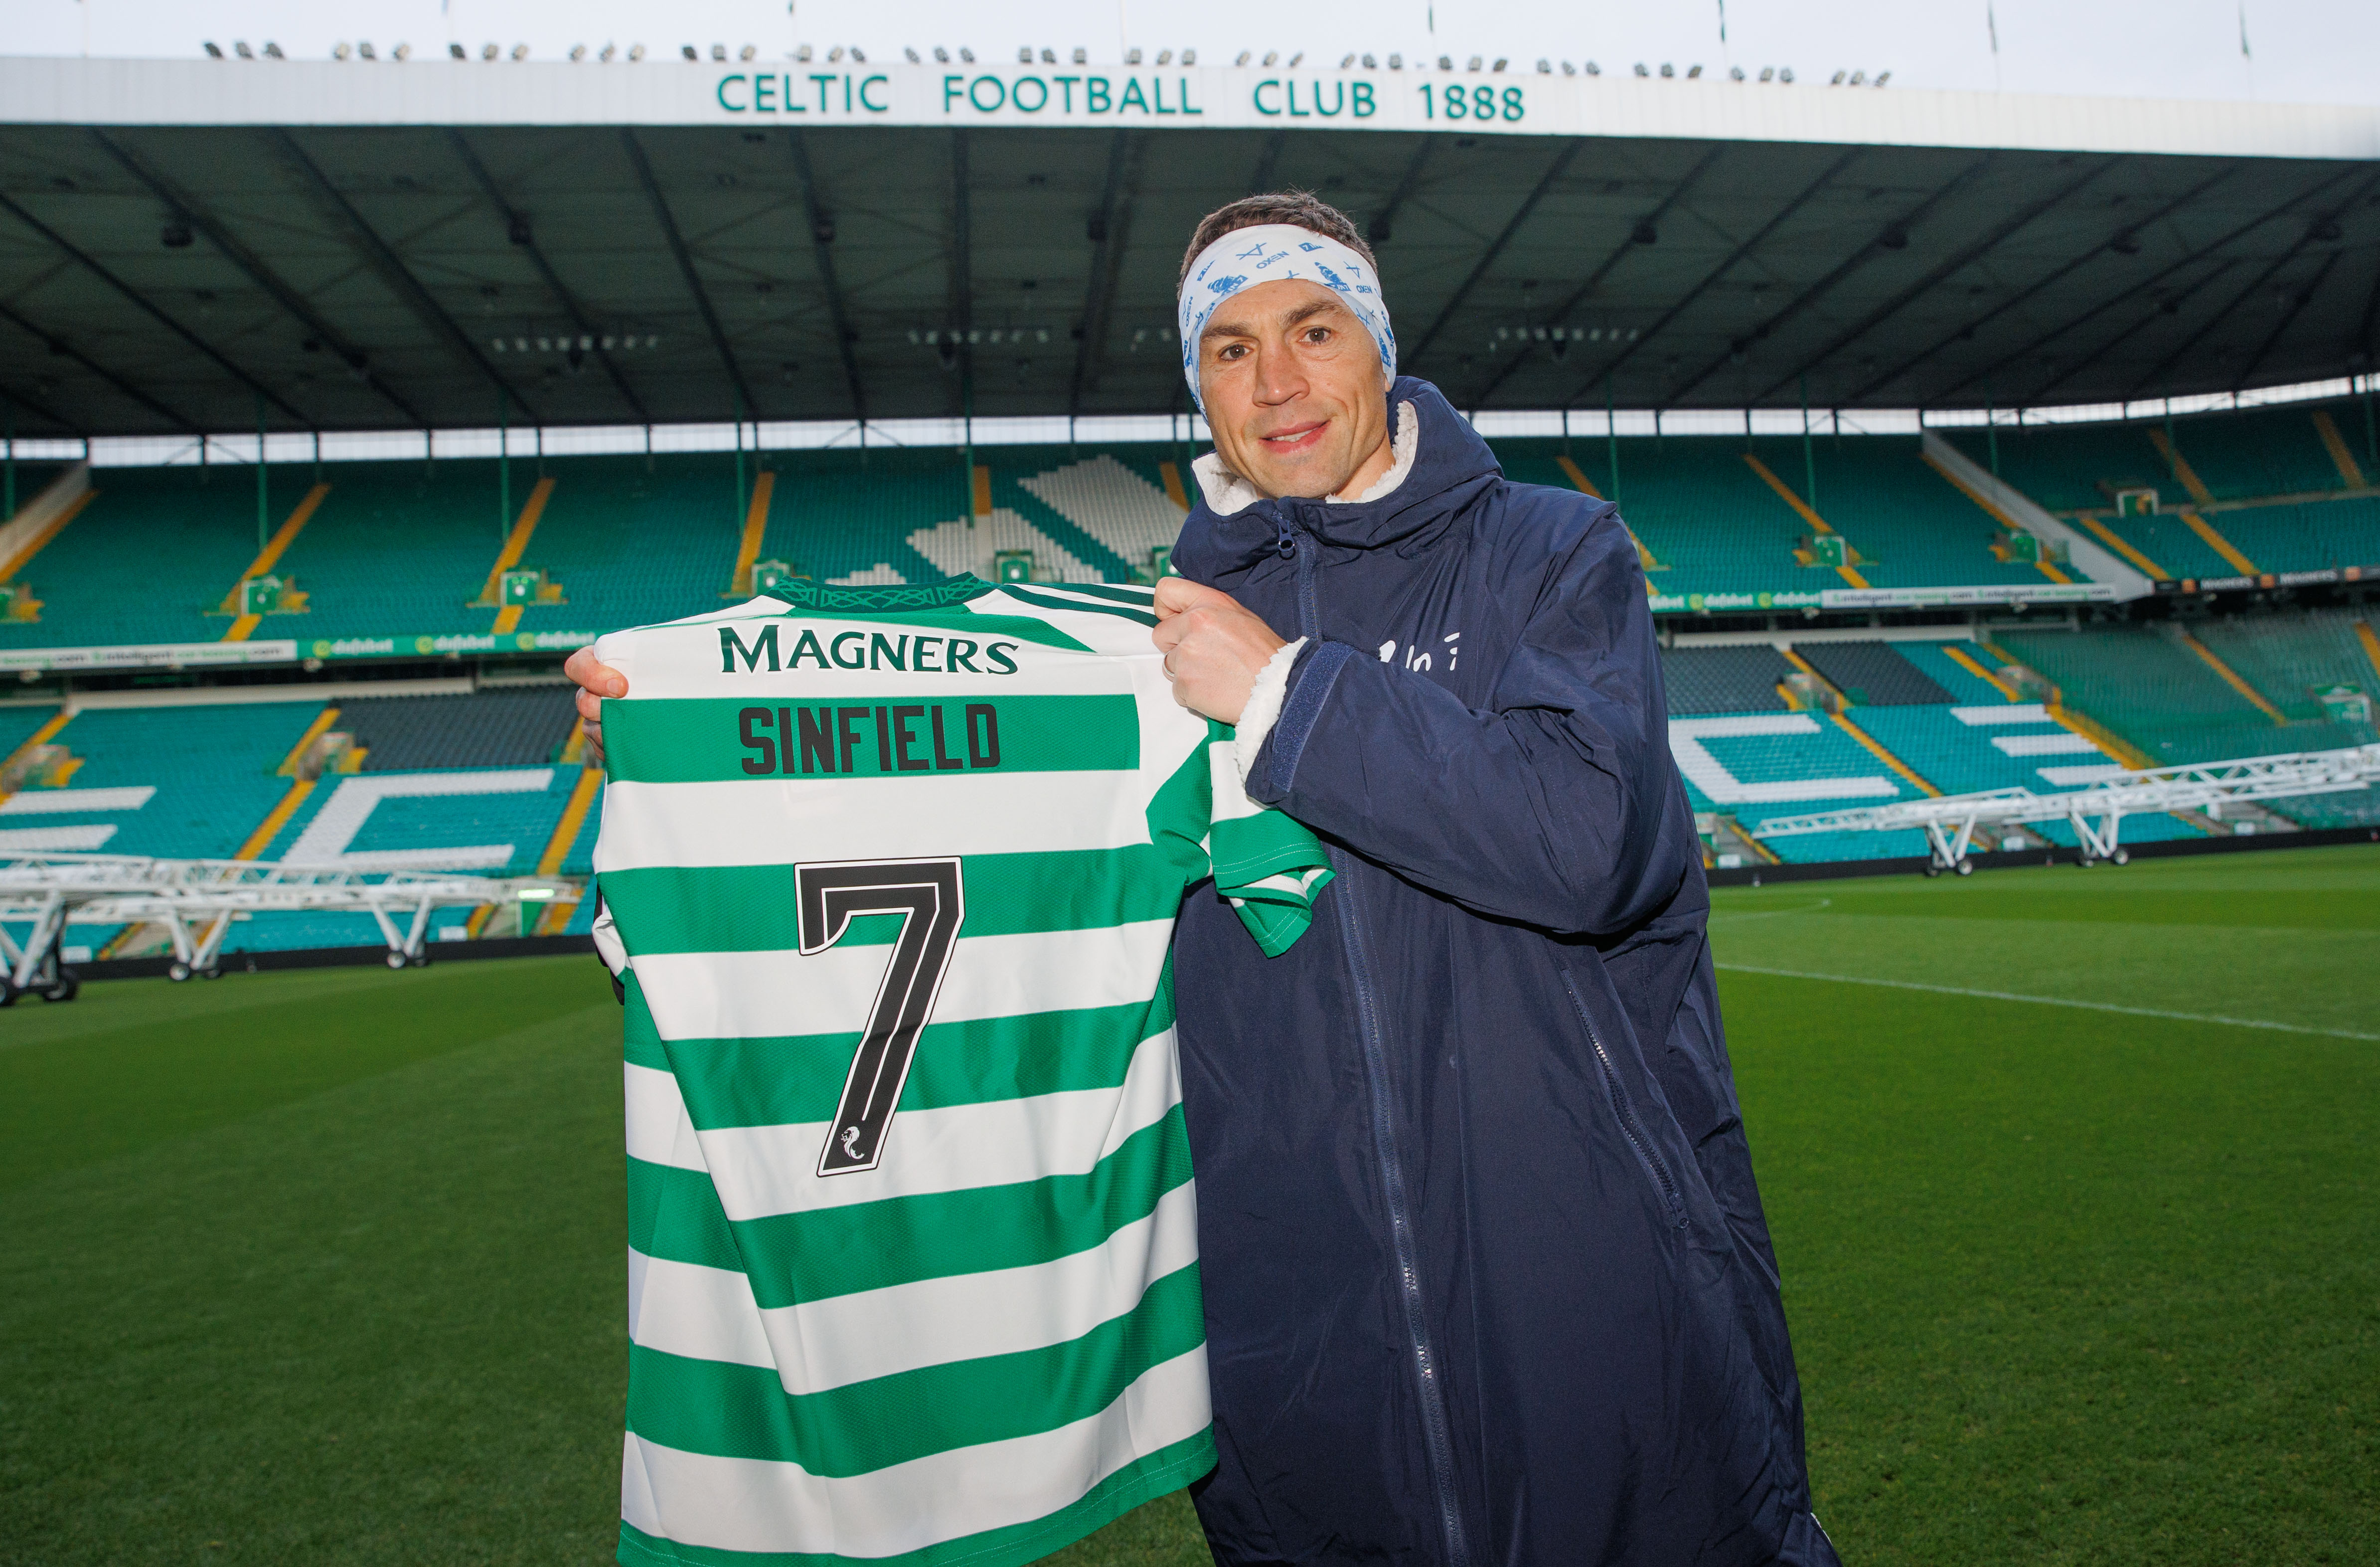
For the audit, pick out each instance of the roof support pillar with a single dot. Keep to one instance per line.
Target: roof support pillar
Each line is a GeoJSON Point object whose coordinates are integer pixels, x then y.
{"type": "Point", "coordinates": [821, 248]}
{"type": "Point", "coordinates": [684, 258]}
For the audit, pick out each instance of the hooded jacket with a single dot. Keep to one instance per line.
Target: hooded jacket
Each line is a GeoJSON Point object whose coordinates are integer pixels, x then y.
{"type": "Point", "coordinates": [1486, 1274]}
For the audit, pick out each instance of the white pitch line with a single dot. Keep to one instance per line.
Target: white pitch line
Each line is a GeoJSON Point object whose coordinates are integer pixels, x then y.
{"type": "Point", "coordinates": [1734, 915]}
{"type": "Point", "coordinates": [2053, 1001]}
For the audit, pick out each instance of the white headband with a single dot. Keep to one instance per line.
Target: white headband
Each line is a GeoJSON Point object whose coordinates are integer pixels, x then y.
{"type": "Point", "coordinates": [1268, 254]}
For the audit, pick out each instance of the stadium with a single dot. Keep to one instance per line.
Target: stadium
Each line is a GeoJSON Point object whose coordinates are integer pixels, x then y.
{"type": "Point", "coordinates": [2004, 470]}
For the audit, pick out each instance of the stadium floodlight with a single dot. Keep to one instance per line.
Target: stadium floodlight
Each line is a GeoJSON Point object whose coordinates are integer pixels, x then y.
{"type": "Point", "coordinates": [1272, 58]}
{"type": "Point", "coordinates": [1049, 56]}
{"type": "Point", "coordinates": [402, 51]}
{"type": "Point", "coordinates": [1859, 78]}
{"type": "Point", "coordinates": [1165, 56]}
{"type": "Point", "coordinates": [521, 52]}
{"type": "Point", "coordinates": [1669, 71]}
{"type": "Point", "coordinates": [750, 52]}
{"type": "Point", "coordinates": [1082, 55]}
{"type": "Point", "coordinates": [1025, 54]}
{"type": "Point", "coordinates": [1838, 78]}
{"type": "Point", "coordinates": [1445, 62]}
{"type": "Point", "coordinates": [718, 54]}
{"type": "Point", "coordinates": [1189, 57]}
{"type": "Point", "coordinates": [456, 52]}
{"type": "Point", "coordinates": [684, 51]}
{"type": "Point", "coordinates": [213, 51]}
{"type": "Point", "coordinates": [1641, 69]}
{"type": "Point", "coordinates": [338, 52]}
{"type": "Point", "coordinates": [364, 51]}
{"type": "Point", "coordinates": [273, 52]}
{"type": "Point", "coordinates": [1569, 69]}
{"type": "Point", "coordinates": [1500, 62]}
{"type": "Point", "coordinates": [577, 52]}
{"type": "Point", "coordinates": [834, 55]}
{"type": "Point", "coordinates": [966, 56]}
{"type": "Point", "coordinates": [802, 55]}
{"type": "Point", "coordinates": [1245, 56]}
{"type": "Point", "coordinates": [240, 48]}
{"type": "Point", "coordinates": [1881, 78]}
{"type": "Point", "coordinates": [1785, 74]}
{"type": "Point", "coordinates": [911, 54]}
{"type": "Point", "coordinates": [1132, 57]}
{"type": "Point", "coordinates": [637, 51]}
{"type": "Point", "coordinates": [1768, 73]}
{"type": "Point", "coordinates": [490, 51]}
{"type": "Point", "coordinates": [1296, 59]}
{"type": "Point", "coordinates": [1370, 64]}
{"type": "Point", "coordinates": [608, 51]}
{"type": "Point", "coordinates": [1594, 69]}
{"type": "Point", "coordinates": [1348, 63]}
{"type": "Point", "coordinates": [1545, 67]}
{"type": "Point", "coordinates": [1735, 73]}
{"type": "Point", "coordinates": [1396, 62]}
{"type": "Point", "coordinates": [941, 55]}
{"type": "Point", "coordinates": [175, 235]}
{"type": "Point", "coordinates": [1475, 63]}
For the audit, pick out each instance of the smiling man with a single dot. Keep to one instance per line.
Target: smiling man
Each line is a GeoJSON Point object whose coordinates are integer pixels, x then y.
{"type": "Point", "coordinates": [1487, 1275]}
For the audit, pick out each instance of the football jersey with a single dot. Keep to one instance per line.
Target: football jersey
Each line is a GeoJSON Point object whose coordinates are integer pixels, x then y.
{"type": "Point", "coordinates": [889, 877]}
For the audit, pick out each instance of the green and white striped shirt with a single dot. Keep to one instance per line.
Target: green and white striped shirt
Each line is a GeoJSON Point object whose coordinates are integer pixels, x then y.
{"type": "Point", "coordinates": [890, 878]}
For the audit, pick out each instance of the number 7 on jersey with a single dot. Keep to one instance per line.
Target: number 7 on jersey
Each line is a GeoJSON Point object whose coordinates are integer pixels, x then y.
{"type": "Point", "coordinates": [927, 896]}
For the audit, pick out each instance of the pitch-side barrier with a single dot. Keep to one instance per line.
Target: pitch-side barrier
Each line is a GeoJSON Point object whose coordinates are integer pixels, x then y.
{"type": "Point", "coordinates": [2096, 813]}
{"type": "Point", "coordinates": [195, 901]}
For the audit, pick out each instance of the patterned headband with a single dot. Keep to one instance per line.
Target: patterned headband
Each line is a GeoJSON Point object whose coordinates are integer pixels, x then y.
{"type": "Point", "coordinates": [1268, 254]}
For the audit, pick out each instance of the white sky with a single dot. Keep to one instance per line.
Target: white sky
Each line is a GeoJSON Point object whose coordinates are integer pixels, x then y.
{"type": "Point", "coordinates": [2301, 51]}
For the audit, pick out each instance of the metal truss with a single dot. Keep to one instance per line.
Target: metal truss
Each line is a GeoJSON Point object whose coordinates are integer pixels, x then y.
{"type": "Point", "coordinates": [195, 900]}
{"type": "Point", "coordinates": [1949, 822]}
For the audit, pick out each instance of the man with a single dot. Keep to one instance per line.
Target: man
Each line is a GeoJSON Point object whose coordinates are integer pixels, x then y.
{"type": "Point", "coordinates": [1487, 1275]}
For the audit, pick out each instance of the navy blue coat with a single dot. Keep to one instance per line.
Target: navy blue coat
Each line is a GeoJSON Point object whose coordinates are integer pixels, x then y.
{"type": "Point", "coordinates": [1487, 1275]}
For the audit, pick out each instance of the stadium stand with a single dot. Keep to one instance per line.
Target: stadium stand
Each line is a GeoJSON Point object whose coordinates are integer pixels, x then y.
{"type": "Point", "coordinates": [1871, 673]}
{"type": "Point", "coordinates": [1928, 712]}
{"type": "Point", "coordinates": [1711, 523]}
{"type": "Point", "coordinates": [407, 551]}
{"type": "Point", "coordinates": [398, 552]}
{"type": "Point", "coordinates": [147, 560]}
{"type": "Point", "coordinates": [481, 781]}
{"type": "Point", "coordinates": [395, 549]}
{"type": "Point", "coordinates": [525, 727]}
{"type": "Point", "coordinates": [2157, 687]}
{"type": "Point", "coordinates": [1912, 525]}
{"type": "Point", "coordinates": [1754, 766]}
{"type": "Point", "coordinates": [1724, 679]}
{"type": "Point", "coordinates": [2260, 491]}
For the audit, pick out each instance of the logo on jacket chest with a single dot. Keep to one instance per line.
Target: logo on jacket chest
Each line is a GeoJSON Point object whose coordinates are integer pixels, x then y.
{"type": "Point", "coordinates": [1424, 653]}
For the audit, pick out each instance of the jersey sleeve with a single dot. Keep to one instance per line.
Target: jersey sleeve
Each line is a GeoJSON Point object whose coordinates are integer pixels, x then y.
{"type": "Point", "coordinates": [1265, 865]}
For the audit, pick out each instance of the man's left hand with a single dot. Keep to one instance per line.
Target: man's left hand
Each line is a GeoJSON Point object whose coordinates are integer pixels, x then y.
{"type": "Point", "coordinates": [1214, 647]}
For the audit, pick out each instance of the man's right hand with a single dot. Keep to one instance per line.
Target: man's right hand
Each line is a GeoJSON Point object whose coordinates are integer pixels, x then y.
{"type": "Point", "coordinates": [596, 681]}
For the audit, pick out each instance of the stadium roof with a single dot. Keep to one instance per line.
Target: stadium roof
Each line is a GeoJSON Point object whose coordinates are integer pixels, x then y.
{"type": "Point", "coordinates": [342, 246]}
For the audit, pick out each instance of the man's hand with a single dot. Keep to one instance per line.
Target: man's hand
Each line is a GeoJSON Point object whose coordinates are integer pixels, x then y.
{"type": "Point", "coordinates": [596, 681]}
{"type": "Point", "coordinates": [1214, 649]}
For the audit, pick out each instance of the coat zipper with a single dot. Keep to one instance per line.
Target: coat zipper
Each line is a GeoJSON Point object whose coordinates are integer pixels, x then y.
{"type": "Point", "coordinates": [1624, 1109]}
{"type": "Point", "coordinates": [1435, 1427]}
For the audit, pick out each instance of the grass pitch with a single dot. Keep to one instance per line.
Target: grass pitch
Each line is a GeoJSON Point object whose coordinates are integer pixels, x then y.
{"type": "Point", "coordinates": [326, 1266]}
